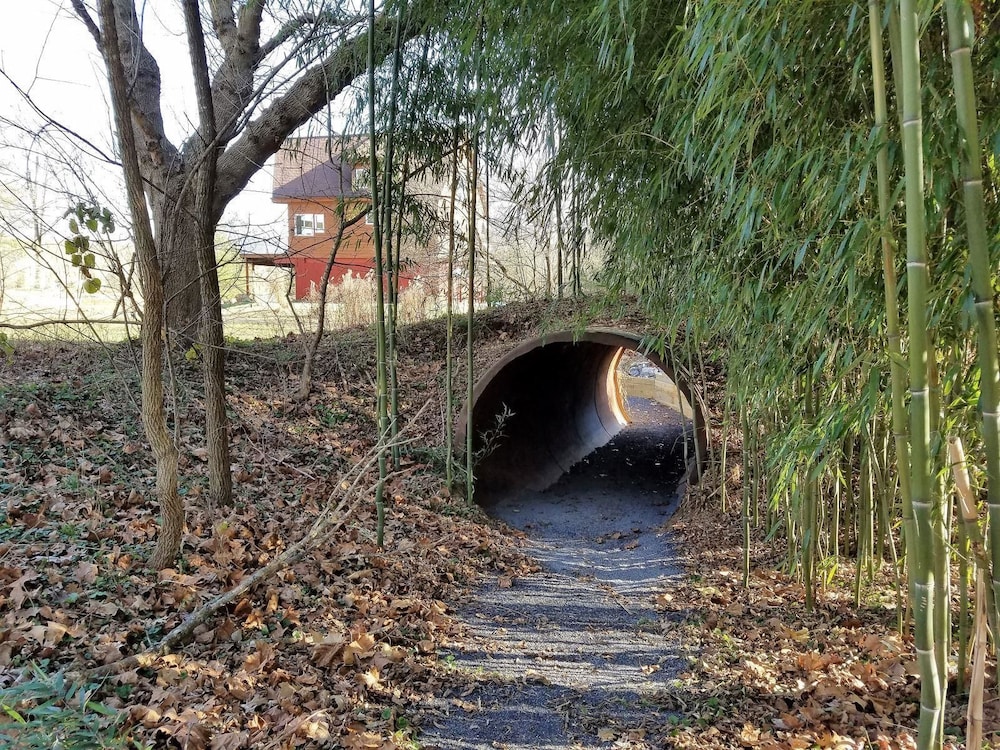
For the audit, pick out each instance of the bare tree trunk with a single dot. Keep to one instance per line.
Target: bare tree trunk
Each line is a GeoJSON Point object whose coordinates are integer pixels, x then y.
{"type": "Point", "coordinates": [380, 337]}
{"type": "Point", "coordinates": [213, 352]}
{"type": "Point", "coordinates": [305, 381]}
{"type": "Point", "coordinates": [153, 413]}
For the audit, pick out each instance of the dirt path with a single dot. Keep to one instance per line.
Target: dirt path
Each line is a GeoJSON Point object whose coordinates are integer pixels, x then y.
{"type": "Point", "coordinates": [575, 655]}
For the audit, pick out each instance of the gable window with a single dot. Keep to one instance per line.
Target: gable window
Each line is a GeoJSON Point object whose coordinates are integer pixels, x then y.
{"type": "Point", "coordinates": [306, 225]}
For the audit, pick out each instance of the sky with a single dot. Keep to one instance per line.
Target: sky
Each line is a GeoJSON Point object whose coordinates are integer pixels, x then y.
{"type": "Point", "coordinates": [46, 51]}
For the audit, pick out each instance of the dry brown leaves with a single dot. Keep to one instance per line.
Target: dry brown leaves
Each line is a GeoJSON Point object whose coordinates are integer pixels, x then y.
{"type": "Point", "coordinates": [339, 649]}
{"type": "Point", "coordinates": [765, 673]}
{"type": "Point", "coordinates": [331, 652]}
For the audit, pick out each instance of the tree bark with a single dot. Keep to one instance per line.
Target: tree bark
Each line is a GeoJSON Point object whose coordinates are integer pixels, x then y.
{"type": "Point", "coordinates": [305, 381]}
{"type": "Point", "coordinates": [153, 412]}
{"type": "Point", "coordinates": [243, 144]}
{"type": "Point", "coordinates": [213, 352]}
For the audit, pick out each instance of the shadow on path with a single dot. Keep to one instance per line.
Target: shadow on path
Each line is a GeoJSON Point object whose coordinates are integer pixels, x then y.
{"type": "Point", "coordinates": [575, 655]}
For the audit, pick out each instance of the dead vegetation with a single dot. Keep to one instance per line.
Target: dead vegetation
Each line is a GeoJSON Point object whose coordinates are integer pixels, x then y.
{"type": "Point", "coordinates": [340, 647]}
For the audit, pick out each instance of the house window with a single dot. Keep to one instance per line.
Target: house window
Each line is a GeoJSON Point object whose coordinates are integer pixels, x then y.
{"type": "Point", "coordinates": [306, 225]}
{"type": "Point", "coordinates": [359, 180]}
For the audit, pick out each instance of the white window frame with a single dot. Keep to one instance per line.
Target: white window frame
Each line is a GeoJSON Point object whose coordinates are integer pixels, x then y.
{"type": "Point", "coordinates": [307, 225]}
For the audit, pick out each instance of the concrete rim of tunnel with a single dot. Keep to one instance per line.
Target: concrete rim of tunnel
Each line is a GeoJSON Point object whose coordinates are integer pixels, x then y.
{"type": "Point", "coordinates": [609, 337]}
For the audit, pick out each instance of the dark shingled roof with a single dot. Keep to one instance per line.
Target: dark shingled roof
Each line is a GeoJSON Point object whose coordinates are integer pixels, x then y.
{"type": "Point", "coordinates": [328, 180]}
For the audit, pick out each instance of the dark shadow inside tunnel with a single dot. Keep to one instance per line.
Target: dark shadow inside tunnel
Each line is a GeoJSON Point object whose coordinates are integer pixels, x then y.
{"type": "Point", "coordinates": [551, 402]}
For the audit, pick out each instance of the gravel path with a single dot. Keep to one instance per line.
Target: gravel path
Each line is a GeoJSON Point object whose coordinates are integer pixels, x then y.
{"type": "Point", "coordinates": [573, 656]}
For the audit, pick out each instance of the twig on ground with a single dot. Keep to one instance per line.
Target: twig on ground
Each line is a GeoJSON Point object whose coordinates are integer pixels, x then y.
{"type": "Point", "coordinates": [341, 503]}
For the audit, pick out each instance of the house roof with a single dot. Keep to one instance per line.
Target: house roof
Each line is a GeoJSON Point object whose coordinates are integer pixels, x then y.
{"type": "Point", "coordinates": [328, 180]}
{"type": "Point", "coordinates": [317, 167]}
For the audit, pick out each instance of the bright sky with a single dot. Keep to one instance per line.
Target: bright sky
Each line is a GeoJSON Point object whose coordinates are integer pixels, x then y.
{"type": "Point", "coordinates": [46, 51]}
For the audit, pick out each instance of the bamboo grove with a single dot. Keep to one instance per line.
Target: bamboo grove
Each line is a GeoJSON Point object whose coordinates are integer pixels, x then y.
{"type": "Point", "coordinates": [805, 192]}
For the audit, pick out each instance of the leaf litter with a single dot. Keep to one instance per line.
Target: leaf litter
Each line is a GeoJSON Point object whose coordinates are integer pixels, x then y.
{"type": "Point", "coordinates": [346, 647]}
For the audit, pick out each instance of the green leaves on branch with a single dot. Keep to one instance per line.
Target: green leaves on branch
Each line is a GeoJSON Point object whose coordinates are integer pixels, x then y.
{"type": "Point", "coordinates": [86, 221]}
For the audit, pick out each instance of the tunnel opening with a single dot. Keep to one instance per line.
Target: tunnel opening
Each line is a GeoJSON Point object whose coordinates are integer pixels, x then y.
{"type": "Point", "coordinates": [552, 401]}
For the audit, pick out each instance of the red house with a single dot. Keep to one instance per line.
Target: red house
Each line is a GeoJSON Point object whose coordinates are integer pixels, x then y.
{"type": "Point", "coordinates": [321, 180]}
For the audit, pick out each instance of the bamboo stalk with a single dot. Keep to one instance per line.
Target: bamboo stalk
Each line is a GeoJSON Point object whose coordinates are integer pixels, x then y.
{"type": "Point", "coordinates": [977, 685]}
{"type": "Point", "coordinates": [835, 518]}
{"type": "Point", "coordinates": [970, 520]}
{"type": "Point", "coordinates": [745, 425]}
{"type": "Point", "coordinates": [470, 487]}
{"type": "Point", "coordinates": [921, 479]}
{"type": "Point", "coordinates": [961, 29]}
{"type": "Point", "coordinates": [808, 503]}
{"type": "Point", "coordinates": [942, 532]}
{"type": "Point", "coordinates": [864, 551]}
{"type": "Point", "coordinates": [897, 370]}
{"type": "Point", "coordinates": [699, 460]}
{"type": "Point", "coordinates": [723, 473]}
{"type": "Point", "coordinates": [450, 318]}
{"type": "Point", "coordinates": [967, 529]}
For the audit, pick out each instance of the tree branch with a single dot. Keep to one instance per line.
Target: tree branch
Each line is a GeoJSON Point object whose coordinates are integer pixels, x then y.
{"type": "Point", "coordinates": [155, 151]}
{"type": "Point", "coordinates": [223, 22]}
{"type": "Point", "coordinates": [287, 31]}
{"type": "Point", "coordinates": [71, 322]}
{"type": "Point", "coordinates": [348, 495]}
{"type": "Point", "coordinates": [249, 21]}
{"type": "Point", "coordinates": [308, 95]}
{"type": "Point", "coordinates": [88, 21]}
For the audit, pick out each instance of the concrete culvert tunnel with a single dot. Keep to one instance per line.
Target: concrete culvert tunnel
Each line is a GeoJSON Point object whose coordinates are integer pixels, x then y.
{"type": "Point", "coordinates": [550, 402]}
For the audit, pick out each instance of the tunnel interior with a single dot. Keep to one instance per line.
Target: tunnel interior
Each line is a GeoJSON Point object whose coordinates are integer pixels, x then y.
{"type": "Point", "coordinates": [549, 403]}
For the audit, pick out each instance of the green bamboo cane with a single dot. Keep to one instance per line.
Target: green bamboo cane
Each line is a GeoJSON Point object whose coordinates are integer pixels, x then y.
{"type": "Point", "coordinates": [966, 573]}
{"type": "Point", "coordinates": [723, 469]}
{"type": "Point", "coordinates": [808, 502]}
{"type": "Point", "coordinates": [745, 487]}
{"type": "Point", "coordinates": [835, 518]}
{"type": "Point", "coordinates": [470, 486]}
{"type": "Point", "coordinates": [849, 522]}
{"type": "Point", "coordinates": [864, 553]}
{"type": "Point", "coordinates": [942, 531]}
{"type": "Point", "coordinates": [689, 343]}
{"type": "Point", "coordinates": [921, 479]}
{"type": "Point", "coordinates": [897, 369]}
{"type": "Point", "coordinates": [960, 33]}
{"type": "Point", "coordinates": [450, 317]}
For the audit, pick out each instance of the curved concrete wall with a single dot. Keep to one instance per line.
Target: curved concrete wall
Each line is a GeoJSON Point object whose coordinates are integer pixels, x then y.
{"type": "Point", "coordinates": [561, 401]}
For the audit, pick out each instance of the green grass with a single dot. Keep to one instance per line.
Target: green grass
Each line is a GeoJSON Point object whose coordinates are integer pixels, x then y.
{"type": "Point", "coordinates": [46, 710]}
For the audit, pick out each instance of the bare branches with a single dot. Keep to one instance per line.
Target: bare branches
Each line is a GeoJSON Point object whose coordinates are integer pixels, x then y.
{"type": "Point", "coordinates": [224, 22]}
{"type": "Point", "coordinates": [349, 494]}
{"type": "Point", "coordinates": [66, 322]}
{"type": "Point", "coordinates": [98, 151]}
{"type": "Point", "coordinates": [308, 95]}
{"type": "Point", "coordinates": [88, 21]}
